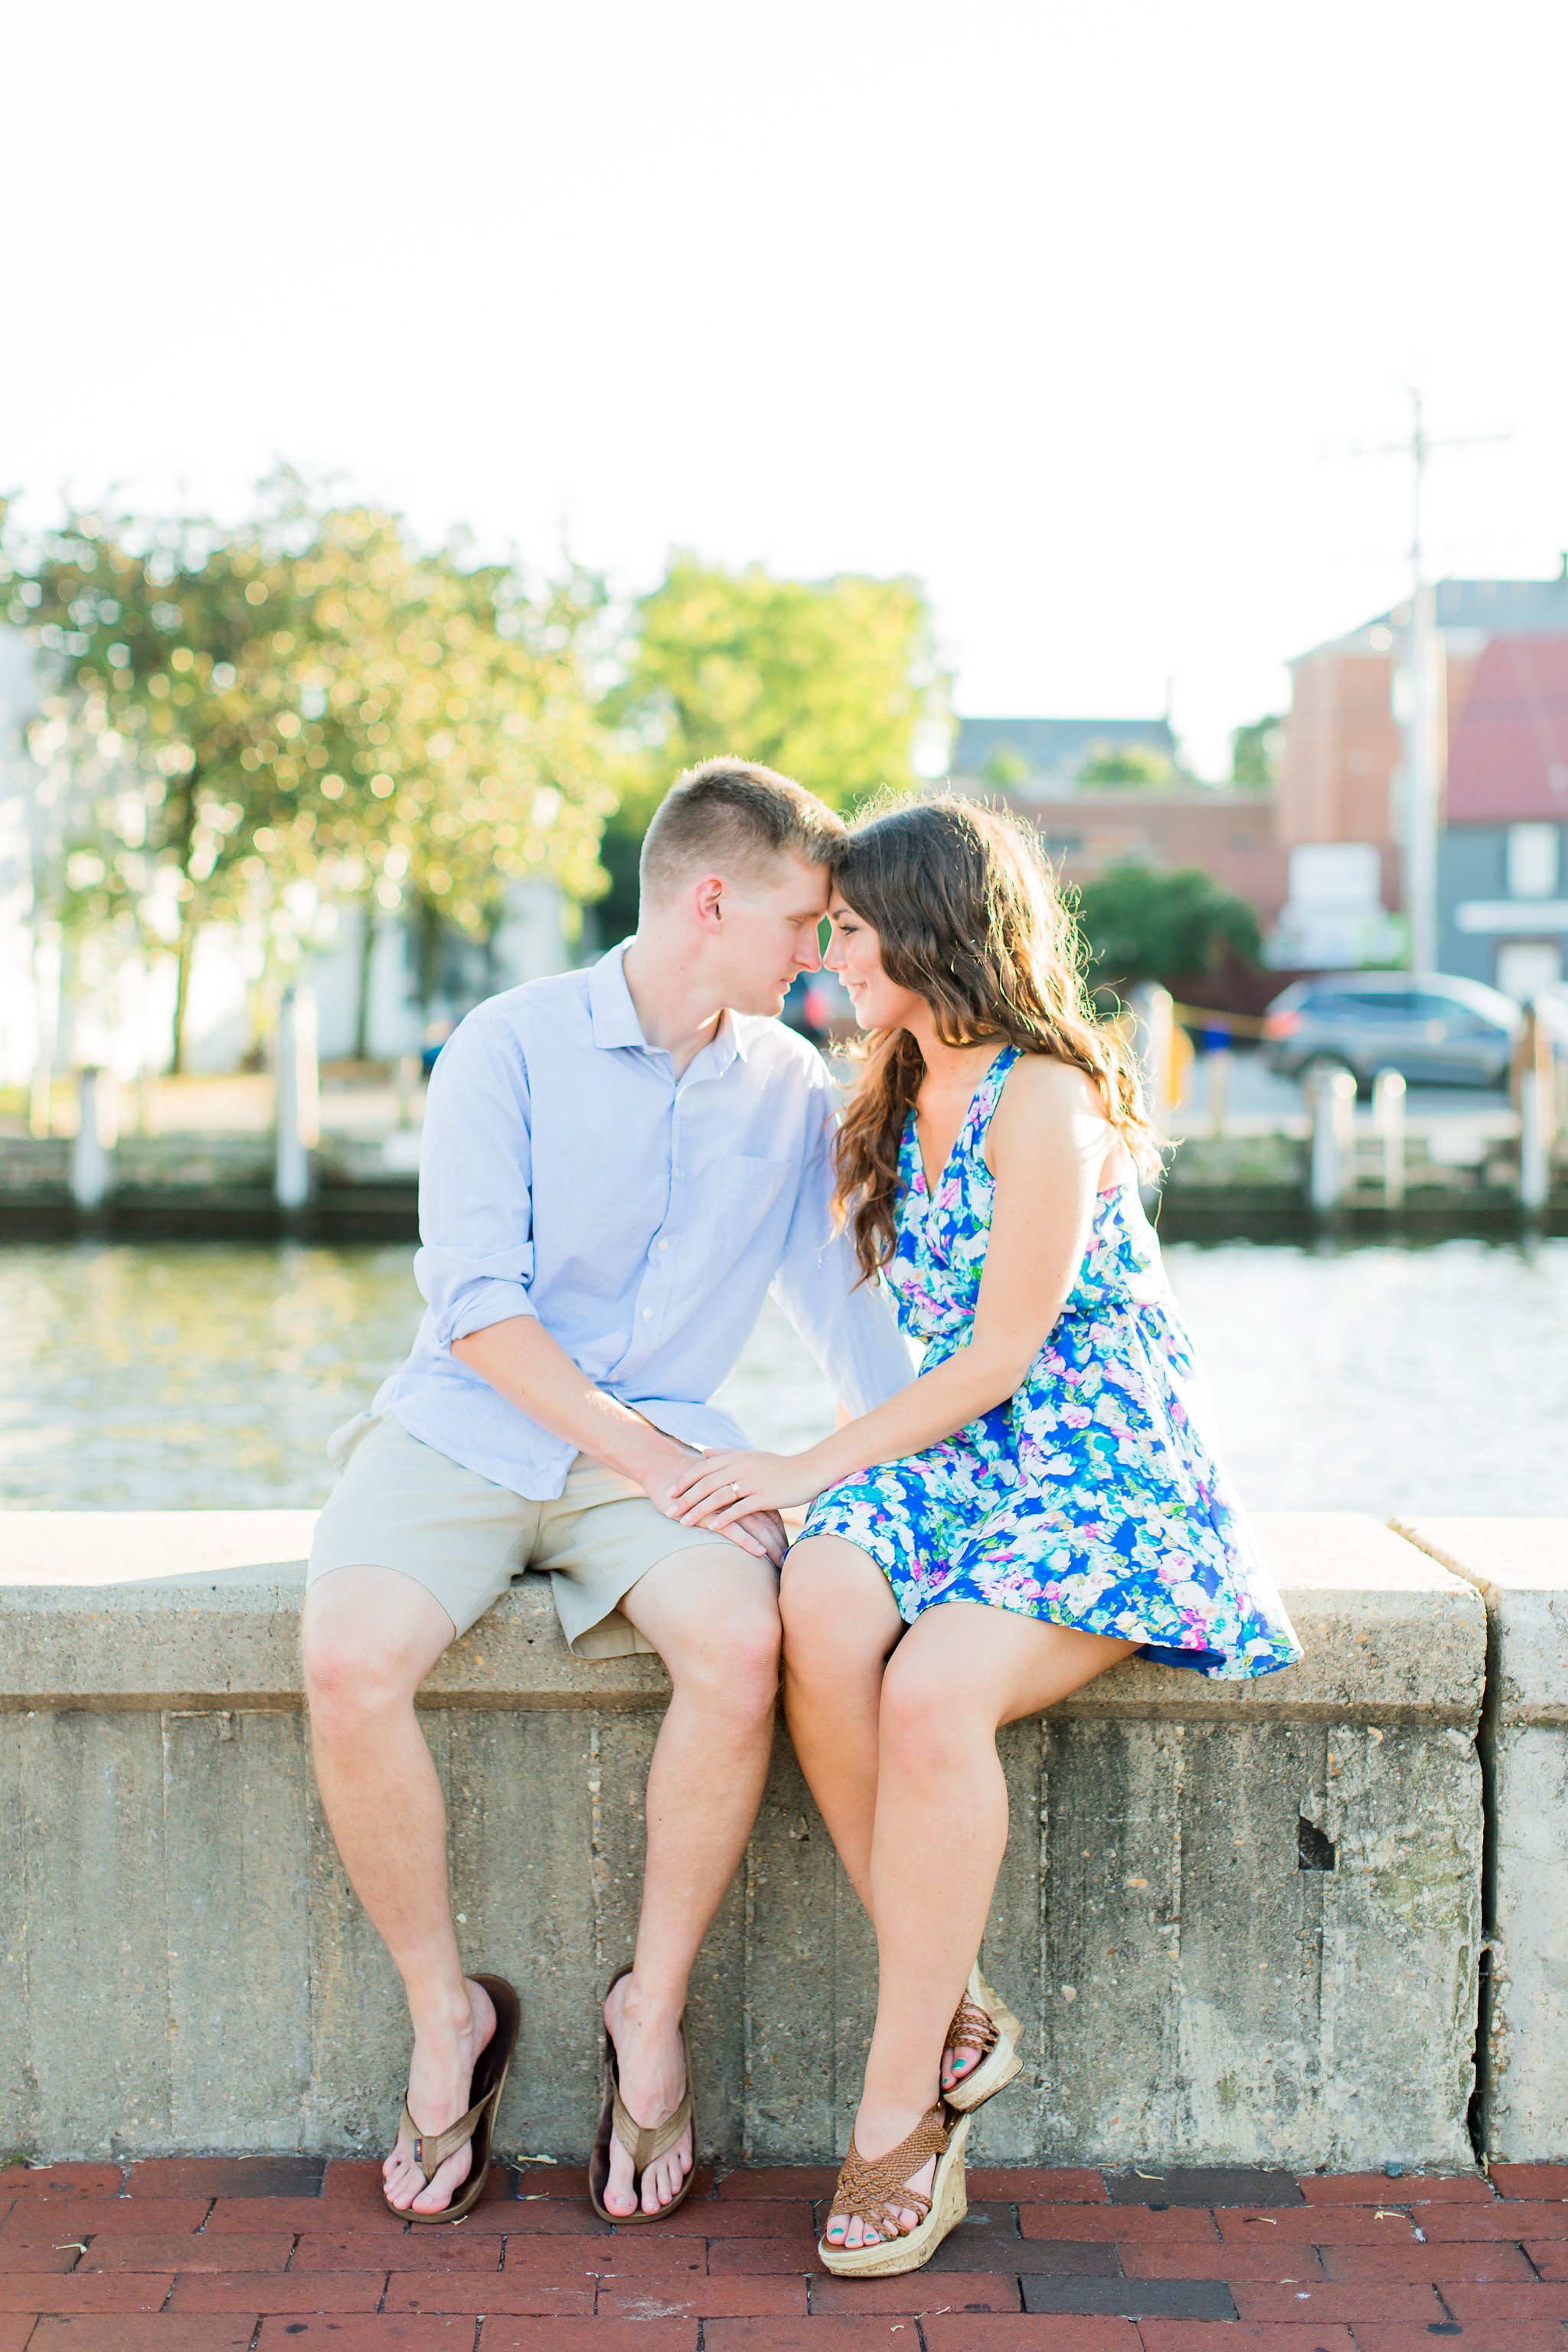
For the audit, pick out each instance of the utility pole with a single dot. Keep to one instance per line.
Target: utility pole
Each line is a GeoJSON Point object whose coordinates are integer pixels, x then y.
{"type": "Point", "coordinates": [1423, 726]}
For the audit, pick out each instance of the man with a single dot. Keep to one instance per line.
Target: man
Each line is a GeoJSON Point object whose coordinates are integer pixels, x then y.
{"type": "Point", "coordinates": [617, 1164]}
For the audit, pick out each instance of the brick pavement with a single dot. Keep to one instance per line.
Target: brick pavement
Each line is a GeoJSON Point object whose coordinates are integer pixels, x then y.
{"type": "Point", "coordinates": [286, 2254]}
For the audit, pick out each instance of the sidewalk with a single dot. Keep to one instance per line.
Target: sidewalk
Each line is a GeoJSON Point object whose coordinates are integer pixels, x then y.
{"type": "Point", "coordinates": [267, 2254]}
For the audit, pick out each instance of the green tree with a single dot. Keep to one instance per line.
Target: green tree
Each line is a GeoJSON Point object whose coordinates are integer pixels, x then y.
{"type": "Point", "coordinates": [1143, 924]}
{"type": "Point", "coordinates": [1255, 754]}
{"type": "Point", "coordinates": [833, 681]}
{"type": "Point", "coordinates": [1138, 766]}
{"type": "Point", "coordinates": [238, 722]}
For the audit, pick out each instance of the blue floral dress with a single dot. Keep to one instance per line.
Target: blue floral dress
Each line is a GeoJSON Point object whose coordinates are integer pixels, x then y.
{"type": "Point", "coordinates": [1094, 1497]}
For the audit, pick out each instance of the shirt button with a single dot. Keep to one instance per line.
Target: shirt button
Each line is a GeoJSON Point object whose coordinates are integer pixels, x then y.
{"type": "Point", "coordinates": [648, 1315]}
{"type": "Point", "coordinates": [664, 1244]}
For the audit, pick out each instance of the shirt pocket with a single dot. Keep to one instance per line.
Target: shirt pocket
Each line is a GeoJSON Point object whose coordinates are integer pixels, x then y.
{"type": "Point", "coordinates": [746, 1197]}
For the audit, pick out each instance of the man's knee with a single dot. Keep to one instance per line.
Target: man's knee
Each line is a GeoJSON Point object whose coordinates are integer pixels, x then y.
{"type": "Point", "coordinates": [728, 1656]}
{"type": "Point", "coordinates": [366, 1645]}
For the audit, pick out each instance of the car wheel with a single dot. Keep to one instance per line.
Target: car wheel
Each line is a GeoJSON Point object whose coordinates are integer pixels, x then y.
{"type": "Point", "coordinates": [1324, 1066]}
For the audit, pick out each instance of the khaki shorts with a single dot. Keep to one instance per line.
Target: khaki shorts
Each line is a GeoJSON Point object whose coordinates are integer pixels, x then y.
{"type": "Point", "coordinates": [401, 1504]}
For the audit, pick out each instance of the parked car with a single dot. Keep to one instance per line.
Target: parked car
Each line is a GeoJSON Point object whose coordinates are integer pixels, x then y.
{"type": "Point", "coordinates": [1434, 1030]}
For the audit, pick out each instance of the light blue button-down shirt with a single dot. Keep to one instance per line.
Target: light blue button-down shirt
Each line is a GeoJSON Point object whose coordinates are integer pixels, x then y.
{"type": "Point", "coordinates": [568, 1173]}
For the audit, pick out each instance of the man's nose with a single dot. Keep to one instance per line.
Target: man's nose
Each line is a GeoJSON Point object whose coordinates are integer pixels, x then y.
{"type": "Point", "coordinates": [809, 955]}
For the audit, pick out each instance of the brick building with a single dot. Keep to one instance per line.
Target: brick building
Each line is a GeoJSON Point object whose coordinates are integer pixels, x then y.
{"type": "Point", "coordinates": [1502, 655]}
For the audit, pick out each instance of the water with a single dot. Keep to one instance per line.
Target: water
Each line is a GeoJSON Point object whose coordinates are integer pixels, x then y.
{"type": "Point", "coordinates": [206, 1376]}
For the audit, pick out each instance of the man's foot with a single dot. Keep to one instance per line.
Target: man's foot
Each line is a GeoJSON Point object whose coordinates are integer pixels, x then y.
{"type": "Point", "coordinates": [652, 2070]}
{"type": "Point", "coordinates": [440, 2076]}
{"type": "Point", "coordinates": [877, 2134]}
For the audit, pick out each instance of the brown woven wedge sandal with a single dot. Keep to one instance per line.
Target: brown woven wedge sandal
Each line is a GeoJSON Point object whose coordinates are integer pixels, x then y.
{"type": "Point", "coordinates": [431, 2150]}
{"type": "Point", "coordinates": [983, 2021]}
{"type": "Point", "coordinates": [645, 2143]}
{"type": "Point", "coordinates": [879, 2192]}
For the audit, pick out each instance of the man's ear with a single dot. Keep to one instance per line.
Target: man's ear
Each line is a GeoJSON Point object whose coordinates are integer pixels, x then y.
{"type": "Point", "coordinates": [708, 901]}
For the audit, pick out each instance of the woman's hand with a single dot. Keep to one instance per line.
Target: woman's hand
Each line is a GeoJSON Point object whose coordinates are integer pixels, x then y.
{"type": "Point", "coordinates": [726, 1486]}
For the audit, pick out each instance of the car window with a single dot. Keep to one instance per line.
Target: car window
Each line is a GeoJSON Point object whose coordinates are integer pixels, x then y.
{"type": "Point", "coordinates": [1376, 1005]}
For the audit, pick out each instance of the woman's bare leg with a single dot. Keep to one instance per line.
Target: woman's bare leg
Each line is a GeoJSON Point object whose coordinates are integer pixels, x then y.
{"type": "Point", "coordinates": [840, 1621]}
{"type": "Point", "coordinates": [961, 1672]}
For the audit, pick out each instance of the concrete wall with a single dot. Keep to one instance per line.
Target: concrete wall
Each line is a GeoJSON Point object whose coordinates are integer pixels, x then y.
{"type": "Point", "coordinates": [1520, 1569]}
{"type": "Point", "coordinates": [1241, 1922]}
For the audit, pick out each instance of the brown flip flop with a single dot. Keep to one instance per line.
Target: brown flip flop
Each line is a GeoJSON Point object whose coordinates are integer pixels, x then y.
{"type": "Point", "coordinates": [645, 2143]}
{"type": "Point", "coordinates": [431, 2150]}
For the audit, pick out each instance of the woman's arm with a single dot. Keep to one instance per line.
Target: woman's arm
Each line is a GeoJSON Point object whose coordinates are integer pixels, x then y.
{"type": "Point", "coordinates": [1048, 1143]}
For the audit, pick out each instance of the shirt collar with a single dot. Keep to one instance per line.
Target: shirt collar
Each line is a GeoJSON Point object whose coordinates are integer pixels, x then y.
{"type": "Point", "coordinates": [614, 1017]}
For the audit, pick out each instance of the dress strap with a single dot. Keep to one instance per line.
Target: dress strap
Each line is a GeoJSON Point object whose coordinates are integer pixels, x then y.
{"type": "Point", "coordinates": [988, 1094]}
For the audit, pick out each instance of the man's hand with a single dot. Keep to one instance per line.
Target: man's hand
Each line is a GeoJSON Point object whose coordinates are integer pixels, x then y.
{"type": "Point", "coordinates": [759, 1532]}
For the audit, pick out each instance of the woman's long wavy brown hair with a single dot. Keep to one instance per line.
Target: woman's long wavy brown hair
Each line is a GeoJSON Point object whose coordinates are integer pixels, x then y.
{"type": "Point", "coordinates": [969, 918]}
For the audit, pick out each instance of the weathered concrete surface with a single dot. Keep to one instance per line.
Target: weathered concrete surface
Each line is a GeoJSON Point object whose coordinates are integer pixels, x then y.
{"type": "Point", "coordinates": [1520, 1569]}
{"type": "Point", "coordinates": [183, 1967]}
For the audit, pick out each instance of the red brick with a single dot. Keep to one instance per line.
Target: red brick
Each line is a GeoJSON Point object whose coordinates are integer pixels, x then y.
{"type": "Point", "coordinates": [543, 2216]}
{"type": "Point", "coordinates": [127, 2252]}
{"type": "Point", "coordinates": [1507, 2336]}
{"type": "Point", "coordinates": [705, 2298]}
{"type": "Point", "coordinates": [290, 2291]}
{"type": "Point", "coordinates": [1367, 2299]}
{"type": "Point", "coordinates": [1018, 2184]}
{"type": "Point", "coordinates": [923, 2292]}
{"type": "Point", "coordinates": [757, 2256]}
{"type": "Point", "coordinates": [1499, 2220]}
{"type": "Point", "coordinates": [85, 2291]}
{"type": "Point", "coordinates": [416, 2249]}
{"type": "Point", "coordinates": [1191, 2225]}
{"type": "Point", "coordinates": [161, 2331]}
{"type": "Point", "coordinates": [15, 2327]}
{"type": "Point", "coordinates": [573, 2260]}
{"type": "Point", "coordinates": [1206, 2335]}
{"type": "Point", "coordinates": [60, 2179]}
{"type": "Point", "coordinates": [869, 2334]}
{"type": "Point", "coordinates": [516, 2297]}
{"type": "Point", "coordinates": [221, 2176]}
{"type": "Point", "coordinates": [552, 2180]}
{"type": "Point", "coordinates": [301, 2213]}
{"type": "Point", "coordinates": [801, 2182]}
{"type": "Point", "coordinates": [1547, 2299]}
{"type": "Point", "coordinates": [1507, 2179]}
{"type": "Point", "coordinates": [588, 2335]}
{"type": "Point", "coordinates": [33, 2217]}
{"type": "Point", "coordinates": [1317, 2225]}
{"type": "Point", "coordinates": [745, 2217]}
{"type": "Point", "coordinates": [1410, 2189]}
{"type": "Point", "coordinates": [1025, 2332]}
{"type": "Point", "coordinates": [30, 2255]}
{"type": "Point", "coordinates": [1549, 2256]}
{"type": "Point", "coordinates": [368, 2334]}
{"type": "Point", "coordinates": [1440, 2262]}
{"type": "Point", "coordinates": [351, 2176]}
{"type": "Point", "coordinates": [1285, 2264]}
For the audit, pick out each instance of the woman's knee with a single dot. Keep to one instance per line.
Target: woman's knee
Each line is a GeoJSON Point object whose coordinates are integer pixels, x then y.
{"type": "Point", "coordinates": [928, 1720]}
{"type": "Point", "coordinates": [839, 1612]}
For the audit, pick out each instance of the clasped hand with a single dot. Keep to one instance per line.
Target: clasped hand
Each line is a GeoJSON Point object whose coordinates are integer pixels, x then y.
{"type": "Point", "coordinates": [726, 1486]}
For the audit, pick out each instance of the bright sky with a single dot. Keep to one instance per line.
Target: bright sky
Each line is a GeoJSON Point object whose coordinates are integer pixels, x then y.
{"type": "Point", "coordinates": [1063, 307]}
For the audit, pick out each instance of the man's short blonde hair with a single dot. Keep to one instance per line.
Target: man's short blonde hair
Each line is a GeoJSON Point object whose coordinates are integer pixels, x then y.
{"type": "Point", "coordinates": [735, 816]}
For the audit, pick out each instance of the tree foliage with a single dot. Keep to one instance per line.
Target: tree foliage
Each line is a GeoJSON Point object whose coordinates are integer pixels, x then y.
{"type": "Point", "coordinates": [1255, 752]}
{"type": "Point", "coordinates": [1141, 924]}
{"type": "Point", "coordinates": [832, 681]}
{"type": "Point", "coordinates": [1139, 767]}
{"type": "Point", "coordinates": [236, 721]}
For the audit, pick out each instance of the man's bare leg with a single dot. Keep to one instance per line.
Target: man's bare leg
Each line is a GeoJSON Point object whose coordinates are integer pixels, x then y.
{"type": "Point", "coordinates": [713, 1618]}
{"type": "Point", "coordinates": [370, 1636]}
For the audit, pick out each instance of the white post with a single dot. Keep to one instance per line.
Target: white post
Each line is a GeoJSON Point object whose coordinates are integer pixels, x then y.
{"type": "Point", "coordinates": [47, 969]}
{"type": "Point", "coordinates": [96, 1137]}
{"type": "Point", "coordinates": [1221, 1062]}
{"type": "Point", "coordinates": [1534, 1144]}
{"type": "Point", "coordinates": [1388, 1120]}
{"type": "Point", "coordinates": [407, 1087]}
{"type": "Point", "coordinates": [1153, 1012]}
{"type": "Point", "coordinates": [299, 1097]}
{"type": "Point", "coordinates": [1333, 1134]}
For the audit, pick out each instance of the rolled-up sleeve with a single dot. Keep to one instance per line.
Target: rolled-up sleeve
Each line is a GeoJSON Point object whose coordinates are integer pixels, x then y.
{"type": "Point", "coordinates": [475, 1264]}
{"type": "Point", "coordinates": [848, 1325]}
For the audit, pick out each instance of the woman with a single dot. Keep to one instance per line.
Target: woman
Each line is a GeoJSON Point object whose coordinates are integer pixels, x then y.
{"type": "Point", "coordinates": [1042, 1502]}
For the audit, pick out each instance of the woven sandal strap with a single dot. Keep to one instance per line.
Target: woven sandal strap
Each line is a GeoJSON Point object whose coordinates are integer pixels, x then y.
{"type": "Point", "coordinates": [648, 2142]}
{"type": "Point", "coordinates": [972, 2028]}
{"type": "Point", "coordinates": [868, 2191]}
{"type": "Point", "coordinates": [431, 2150]}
